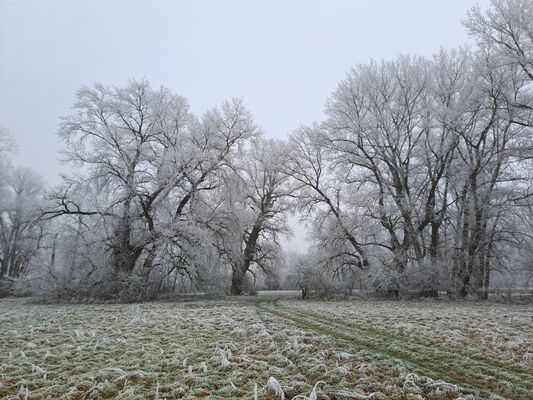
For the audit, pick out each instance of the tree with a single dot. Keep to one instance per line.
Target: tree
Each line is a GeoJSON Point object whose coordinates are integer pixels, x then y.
{"type": "Point", "coordinates": [143, 157]}
{"type": "Point", "coordinates": [411, 165]}
{"type": "Point", "coordinates": [21, 231]}
{"type": "Point", "coordinates": [304, 274]}
{"type": "Point", "coordinates": [321, 194]}
{"type": "Point", "coordinates": [382, 137]}
{"type": "Point", "coordinates": [7, 148]}
{"type": "Point", "coordinates": [507, 27]}
{"type": "Point", "coordinates": [498, 162]}
{"type": "Point", "coordinates": [248, 219]}
{"type": "Point", "coordinates": [505, 31]}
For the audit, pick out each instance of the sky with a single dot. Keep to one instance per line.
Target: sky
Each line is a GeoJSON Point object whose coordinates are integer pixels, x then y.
{"type": "Point", "coordinates": [283, 57]}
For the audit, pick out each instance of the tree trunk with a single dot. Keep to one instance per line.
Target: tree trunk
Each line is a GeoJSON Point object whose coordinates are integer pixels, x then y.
{"type": "Point", "coordinates": [434, 246]}
{"type": "Point", "coordinates": [12, 259]}
{"type": "Point", "coordinates": [17, 267]}
{"type": "Point", "coordinates": [3, 269]}
{"type": "Point", "coordinates": [53, 256]}
{"type": "Point", "coordinates": [125, 255]}
{"type": "Point", "coordinates": [237, 281]}
{"type": "Point", "coordinates": [486, 272]}
{"type": "Point", "coordinates": [239, 272]}
{"type": "Point", "coordinates": [465, 287]}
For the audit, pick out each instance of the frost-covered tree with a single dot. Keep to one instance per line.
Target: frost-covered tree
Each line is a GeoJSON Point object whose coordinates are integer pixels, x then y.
{"type": "Point", "coordinates": [304, 274]}
{"type": "Point", "coordinates": [21, 230]}
{"type": "Point", "coordinates": [484, 165]}
{"type": "Point", "coordinates": [21, 196]}
{"type": "Point", "coordinates": [376, 119]}
{"type": "Point", "coordinates": [141, 158]}
{"type": "Point", "coordinates": [392, 155]}
{"type": "Point", "coordinates": [410, 168]}
{"type": "Point", "coordinates": [504, 34]}
{"type": "Point", "coordinates": [249, 217]}
{"type": "Point", "coordinates": [7, 148]}
{"type": "Point", "coordinates": [322, 193]}
{"type": "Point", "coordinates": [506, 27]}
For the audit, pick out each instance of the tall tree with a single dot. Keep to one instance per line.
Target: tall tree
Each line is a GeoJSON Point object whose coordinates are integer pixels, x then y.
{"type": "Point", "coordinates": [251, 215]}
{"type": "Point", "coordinates": [142, 157]}
{"type": "Point", "coordinates": [322, 195]}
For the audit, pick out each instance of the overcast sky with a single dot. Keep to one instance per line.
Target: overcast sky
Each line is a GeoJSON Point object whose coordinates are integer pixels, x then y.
{"type": "Point", "coordinates": [282, 57]}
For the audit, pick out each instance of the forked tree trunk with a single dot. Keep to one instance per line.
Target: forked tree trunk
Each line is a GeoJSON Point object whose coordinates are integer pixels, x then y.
{"type": "Point", "coordinates": [239, 271]}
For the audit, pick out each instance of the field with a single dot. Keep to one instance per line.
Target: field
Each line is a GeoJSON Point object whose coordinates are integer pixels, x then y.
{"type": "Point", "coordinates": [266, 347]}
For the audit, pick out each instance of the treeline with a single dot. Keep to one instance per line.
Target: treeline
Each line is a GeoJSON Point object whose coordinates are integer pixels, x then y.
{"type": "Point", "coordinates": [419, 179]}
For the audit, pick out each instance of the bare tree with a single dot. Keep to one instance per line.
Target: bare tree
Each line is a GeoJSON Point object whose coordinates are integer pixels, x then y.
{"type": "Point", "coordinates": [142, 158]}
{"type": "Point", "coordinates": [411, 166]}
{"type": "Point", "coordinates": [251, 216]}
{"type": "Point", "coordinates": [321, 195]}
{"type": "Point", "coordinates": [505, 31]}
{"type": "Point", "coordinates": [21, 231]}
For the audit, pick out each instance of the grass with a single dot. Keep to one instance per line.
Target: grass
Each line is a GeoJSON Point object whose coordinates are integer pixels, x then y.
{"type": "Point", "coordinates": [265, 348]}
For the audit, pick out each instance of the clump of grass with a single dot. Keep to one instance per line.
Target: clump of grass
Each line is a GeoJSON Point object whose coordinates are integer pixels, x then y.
{"type": "Point", "coordinates": [274, 387]}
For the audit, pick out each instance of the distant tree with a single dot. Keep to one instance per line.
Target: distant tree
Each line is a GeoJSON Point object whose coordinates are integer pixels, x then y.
{"type": "Point", "coordinates": [21, 230]}
{"type": "Point", "coordinates": [7, 148]}
{"type": "Point", "coordinates": [310, 275]}
{"type": "Point", "coordinates": [322, 194]}
{"type": "Point", "coordinates": [303, 274]}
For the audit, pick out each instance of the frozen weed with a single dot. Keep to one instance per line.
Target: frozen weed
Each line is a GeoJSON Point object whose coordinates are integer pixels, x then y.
{"type": "Point", "coordinates": [274, 387]}
{"type": "Point", "coordinates": [203, 367]}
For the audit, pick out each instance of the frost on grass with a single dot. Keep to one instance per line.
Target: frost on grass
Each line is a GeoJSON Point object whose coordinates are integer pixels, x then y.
{"type": "Point", "coordinates": [175, 350]}
{"type": "Point", "coordinates": [497, 333]}
{"type": "Point", "coordinates": [202, 349]}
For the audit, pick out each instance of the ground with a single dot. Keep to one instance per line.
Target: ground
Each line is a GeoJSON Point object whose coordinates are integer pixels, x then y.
{"type": "Point", "coordinates": [266, 347]}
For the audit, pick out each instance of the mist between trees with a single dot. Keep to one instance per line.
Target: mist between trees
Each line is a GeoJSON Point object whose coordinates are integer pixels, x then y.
{"type": "Point", "coordinates": [419, 180]}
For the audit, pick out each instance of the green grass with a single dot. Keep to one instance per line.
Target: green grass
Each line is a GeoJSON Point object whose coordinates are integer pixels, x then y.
{"type": "Point", "coordinates": [454, 366]}
{"type": "Point", "coordinates": [225, 347]}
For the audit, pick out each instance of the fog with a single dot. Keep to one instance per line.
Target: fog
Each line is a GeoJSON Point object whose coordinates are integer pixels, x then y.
{"type": "Point", "coordinates": [283, 59]}
{"type": "Point", "coordinates": [266, 199]}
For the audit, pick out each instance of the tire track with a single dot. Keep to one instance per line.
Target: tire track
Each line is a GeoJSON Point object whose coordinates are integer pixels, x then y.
{"type": "Point", "coordinates": [481, 377]}
{"type": "Point", "coordinates": [523, 373]}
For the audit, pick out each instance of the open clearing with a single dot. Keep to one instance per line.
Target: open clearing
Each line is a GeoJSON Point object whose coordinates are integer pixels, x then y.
{"type": "Point", "coordinates": [260, 346]}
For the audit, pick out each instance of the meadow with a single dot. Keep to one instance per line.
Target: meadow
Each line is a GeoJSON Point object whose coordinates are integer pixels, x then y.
{"type": "Point", "coordinates": [266, 347]}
